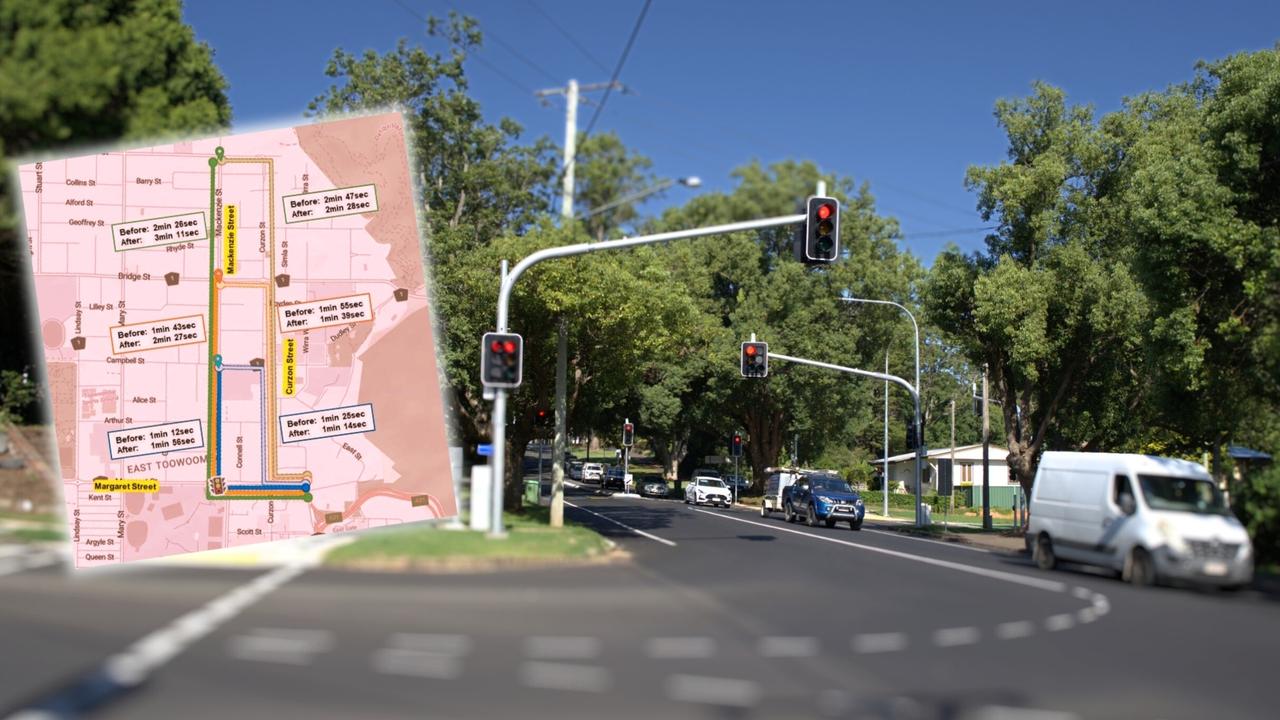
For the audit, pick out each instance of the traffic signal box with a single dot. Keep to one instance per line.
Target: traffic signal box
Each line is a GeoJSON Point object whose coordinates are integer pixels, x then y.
{"type": "Point", "coordinates": [755, 359]}
{"type": "Point", "coordinates": [501, 360]}
{"type": "Point", "coordinates": [628, 434]}
{"type": "Point", "coordinates": [735, 445]}
{"type": "Point", "coordinates": [820, 239]}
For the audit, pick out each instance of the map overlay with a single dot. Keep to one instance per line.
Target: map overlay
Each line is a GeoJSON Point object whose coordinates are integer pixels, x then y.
{"type": "Point", "coordinates": [238, 339]}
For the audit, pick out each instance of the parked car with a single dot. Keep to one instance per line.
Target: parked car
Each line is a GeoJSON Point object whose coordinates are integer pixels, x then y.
{"type": "Point", "coordinates": [653, 486]}
{"type": "Point", "coordinates": [1148, 518]}
{"type": "Point", "coordinates": [592, 472]}
{"type": "Point", "coordinates": [614, 478]}
{"type": "Point", "coordinates": [823, 498]}
{"type": "Point", "coordinates": [575, 469]}
{"type": "Point", "coordinates": [706, 472]}
{"type": "Point", "coordinates": [703, 489]}
{"type": "Point", "coordinates": [776, 481]}
{"type": "Point", "coordinates": [738, 482]}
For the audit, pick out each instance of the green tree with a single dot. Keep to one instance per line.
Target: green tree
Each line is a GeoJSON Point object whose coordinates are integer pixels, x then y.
{"type": "Point", "coordinates": [1049, 307]}
{"type": "Point", "coordinates": [605, 173]}
{"type": "Point", "coordinates": [76, 73]}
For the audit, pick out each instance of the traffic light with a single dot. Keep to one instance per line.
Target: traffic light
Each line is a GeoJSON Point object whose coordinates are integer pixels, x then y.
{"type": "Point", "coordinates": [755, 359]}
{"type": "Point", "coordinates": [912, 441]}
{"type": "Point", "coordinates": [628, 434]}
{"type": "Point", "coordinates": [501, 360]}
{"type": "Point", "coordinates": [821, 241]}
{"type": "Point", "coordinates": [541, 417]}
{"type": "Point", "coordinates": [735, 445]}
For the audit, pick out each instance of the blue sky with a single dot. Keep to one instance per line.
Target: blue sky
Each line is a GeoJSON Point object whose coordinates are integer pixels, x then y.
{"type": "Point", "coordinates": [898, 94]}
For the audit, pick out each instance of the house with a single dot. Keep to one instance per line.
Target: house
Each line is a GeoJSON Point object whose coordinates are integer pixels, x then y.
{"type": "Point", "coordinates": [968, 468]}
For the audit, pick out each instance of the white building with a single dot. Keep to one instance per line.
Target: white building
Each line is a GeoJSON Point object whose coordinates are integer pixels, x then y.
{"type": "Point", "coordinates": [968, 468]}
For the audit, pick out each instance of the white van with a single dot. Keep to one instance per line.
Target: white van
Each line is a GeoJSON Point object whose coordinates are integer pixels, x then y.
{"type": "Point", "coordinates": [775, 481]}
{"type": "Point", "coordinates": [1149, 518]}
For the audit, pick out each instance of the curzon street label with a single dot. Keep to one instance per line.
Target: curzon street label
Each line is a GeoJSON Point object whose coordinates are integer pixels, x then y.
{"type": "Point", "coordinates": [154, 232]}
{"type": "Point", "coordinates": [157, 334]}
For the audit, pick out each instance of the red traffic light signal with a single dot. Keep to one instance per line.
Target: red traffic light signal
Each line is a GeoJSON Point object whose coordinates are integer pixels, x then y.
{"type": "Point", "coordinates": [820, 242]}
{"type": "Point", "coordinates": [628, 434]}
{"type": "Point", "coordinates": [501, 360]}
{"type": "Point", "coordinates": [735, 445]}
{"type": "Point", "coordinates": [755, 359]}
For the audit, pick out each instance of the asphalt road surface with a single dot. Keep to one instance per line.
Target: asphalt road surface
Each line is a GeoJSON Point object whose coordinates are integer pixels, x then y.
{"type": "Point", "coordinates": [718, 614]}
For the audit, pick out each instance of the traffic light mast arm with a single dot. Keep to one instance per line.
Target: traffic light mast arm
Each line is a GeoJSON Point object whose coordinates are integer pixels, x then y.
{"type": "Point", "coordinates": [508, 282]}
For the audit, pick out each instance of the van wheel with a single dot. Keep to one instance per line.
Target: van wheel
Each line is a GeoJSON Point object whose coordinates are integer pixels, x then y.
{"type": "Point", "coordinates": [1139, 569]}
{"type": "Point", "coordinates": [1044, 557]}
{"type": "Point", "coordinates": [764, 510]}
{"type": "Point", "coordinates": [790, 512]}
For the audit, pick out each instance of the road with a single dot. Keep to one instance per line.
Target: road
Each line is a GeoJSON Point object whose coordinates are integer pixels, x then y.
{"type": "Point", "coordinates": [717, 614]}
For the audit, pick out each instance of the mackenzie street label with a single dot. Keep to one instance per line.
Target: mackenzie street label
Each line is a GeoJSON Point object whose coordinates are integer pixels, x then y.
{"type": "Point", "coordinates": [168, 230]}
{"type": "Point", "coordinates": [157, 334]}
{"type": "Point", "coordinates": [326, 423]}
{"type": "Point", "coordinates": [151, 439]}
{"type": "Point", "coordinates": [324, 204]}
{"type": "Point", "coordinates": [326, 312]}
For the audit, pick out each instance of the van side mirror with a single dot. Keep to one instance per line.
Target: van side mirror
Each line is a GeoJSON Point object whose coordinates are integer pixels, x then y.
{"type": "Point", "coordinates": [1127, 504]}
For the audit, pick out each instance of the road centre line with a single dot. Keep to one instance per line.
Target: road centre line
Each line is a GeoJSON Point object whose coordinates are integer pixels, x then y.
{"type": "Point", "coordinates": [642, 533]}
{"type": "Point", "coordinates": [1048, 585]}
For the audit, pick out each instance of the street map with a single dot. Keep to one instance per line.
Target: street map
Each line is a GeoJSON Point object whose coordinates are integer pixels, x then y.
{"type": "Point", "coordinates": [238, 339]}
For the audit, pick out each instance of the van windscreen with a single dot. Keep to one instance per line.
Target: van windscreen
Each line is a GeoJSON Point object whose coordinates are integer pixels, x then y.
{"type": "Point", "coordinates": [1183, 494]}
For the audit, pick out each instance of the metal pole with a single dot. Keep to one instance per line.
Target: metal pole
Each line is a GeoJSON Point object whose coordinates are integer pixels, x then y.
{"type": "Point", "coordinates": [885, 483]}
{"type": "Point", "coordinates": [626, 457]}
{"type": "Point", "coordinates": [499, 437]}
{"type": "Point", "coordinates": [951, 494]}
{"type": "Point", "coordinates": [570, 147]}
{"type": "Point", "coordinates": [557, 451]}
{"type": "Point", "coordinates": [986, 454]}
{"type": "Point", "coordinates": [736, 479]}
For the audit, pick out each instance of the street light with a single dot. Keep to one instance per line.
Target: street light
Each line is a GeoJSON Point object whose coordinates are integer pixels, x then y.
{"type": "Point", "coordinates": [920, 440]}
{"type": "Point", "coordinates": [692, 181]}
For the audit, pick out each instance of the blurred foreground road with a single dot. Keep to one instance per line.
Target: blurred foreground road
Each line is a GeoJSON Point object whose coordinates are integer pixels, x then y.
{"type": "Point", "coordinates": [719, 614]}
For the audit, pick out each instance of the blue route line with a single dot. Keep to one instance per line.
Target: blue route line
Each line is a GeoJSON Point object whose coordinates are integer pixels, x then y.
{"type": "Point", "coordinates": [262, 423]}
{"type": "Point", "coordinates": [217, 428]}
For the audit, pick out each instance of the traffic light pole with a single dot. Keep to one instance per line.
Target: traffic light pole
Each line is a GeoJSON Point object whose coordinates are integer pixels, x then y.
{"type": "Point", "coordinates": [498, 430]}
{"type": "Point", "coordinates": [915, 398]}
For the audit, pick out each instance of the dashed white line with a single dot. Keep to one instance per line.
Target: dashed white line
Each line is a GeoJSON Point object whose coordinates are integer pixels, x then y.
{"type": "Point", "coordinates": [416, 663]}
{"type": "Point", "coordinates": [712, 690]}
{"type": "Point", "coordinates": [1083, 593]}
{"type": "Point", "coordinates": [561, 647]}
{"type": "Point", "coordinates": [879, 642]}
{"type": "Point", "coordinates": [952, 637]}
{"type": "Point", "coordinates": [565, 676]}
{"type": "Point", "coordinates": [280, 645]}
{"type": "Point", "coordinates": [680, 648]}
{"type": "Point", "coordinates": [1057, 623]}
{"type": "Point", "coordinates": [999, 712]}
{"type": "Point", "coordinates": [441, 644]}
{"type": "Point", "coordinates": [1049, 585]}
{"type": "Point", "coordinates": [788, 647]}
{"type": "Point", "coordinates": [641, 533]}
{"type": "Point", "coordinates": [1015, 630]}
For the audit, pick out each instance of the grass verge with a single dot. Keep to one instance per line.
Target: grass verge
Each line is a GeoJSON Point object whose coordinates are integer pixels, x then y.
{"type": "Point", "coordinates": [29, 535]}
{"type": "Point", "coordinates": [530, 541]}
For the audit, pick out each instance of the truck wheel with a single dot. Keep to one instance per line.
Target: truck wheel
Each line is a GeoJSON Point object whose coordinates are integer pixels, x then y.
{"type": "Point", "coordinates": [1139, 568]}
{"type": "Point", "coordinates": [812, 518]}
{"type": "Point", "coordinates": [829, 522]}
{"type": "Point", "coordinates": [855, 524]}
{"type": "Point", "coordinates": [790, 512]}
{"type": "Point", "coordinates": [1043, 553]}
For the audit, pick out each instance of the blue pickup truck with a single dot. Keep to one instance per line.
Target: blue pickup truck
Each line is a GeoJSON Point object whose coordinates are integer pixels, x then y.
{"type": "Point", "coordinates": [825, 499]}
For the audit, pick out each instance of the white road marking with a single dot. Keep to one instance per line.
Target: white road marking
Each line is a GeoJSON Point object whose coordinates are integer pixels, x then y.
{"type": "Point", "coordinates": [1016, 629]}
{"type": "Point", "coordinates": [680, 648]}
{"type": "Point", "coordinates": [280, 645]}
{"type": "Point", "coordinates": [951, 637]}
{"type": "Point", "coordinates": [440, 644]}
{"type": "Point", "coordinates": [1086, 615]}
{"type": "Point", "coordinates": [1056, 623]}
{"type": "Point", "coordinates": [879, 642]}
{"type": "Point", "coordinates": [1083, 593]}
{"type": "Point", "coordinates": [416, 663]}
{"type": "Point", "coordinates": [1049, 585]}
{"type": "Point", "coordinates": [998, 712]}
{"type": "Point", "coordinates": [712, 690]}
{"type": "Point", "coordinates": [905, 536]}
{"type": "Point", "coordinates": [788, 647]}
{"type": "Point", "coordinates": [562, 648]}
{"type": "Point", "coordinates": [132, 665]}
{"type": "Point", "coordinates": [1100, 604]}
{"type": "Point", "coordinates": [565, 676]}
{"type": "Point", "coordinates": [642, 533]}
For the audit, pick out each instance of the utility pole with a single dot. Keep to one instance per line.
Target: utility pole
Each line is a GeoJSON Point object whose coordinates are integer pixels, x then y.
{"type": "Point", "coordinates": [884, 484]}
{"type": "Point", "coordinates": [951, 489]}
{"type": "Point", "coordinates": [570, 93]}
{"type": "Point", "coordinates": [986, 453]}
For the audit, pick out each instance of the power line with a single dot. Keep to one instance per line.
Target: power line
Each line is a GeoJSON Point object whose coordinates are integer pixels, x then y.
{"type": "Point", "coordinates": [472, 56]}
{"type": "Point", "coordinates": [567, 36]}
{"type": "Point", "coordinates": [510, 48]}
{"type": "Point", "coordinates": [618, 69]}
